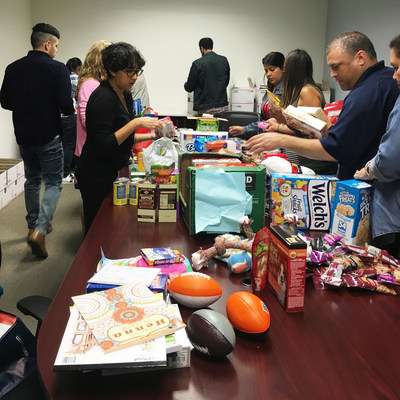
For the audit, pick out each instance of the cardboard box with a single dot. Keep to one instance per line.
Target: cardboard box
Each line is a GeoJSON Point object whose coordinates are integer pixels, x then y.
{"type": "Point", "coordinates": [248, 107]}
{"type": "Point", "coordinates": [3, 179]}
{"type": "Point", "coordinates": [187, 138]}
{"type": "Point", "coordinates": [306, 119]}
{"type": "Point", "coordinates": [5, 196]}
{"type": "Point", "coordinates": [350, 216]}
{"type": "Point", "coordinates": [310, 197]}
{"type": "Point", "coordinates": [13, 167]}
{"type": "Point", "coordinates": [242, 95]}
{"type": "Point", "coordinates": [167, 203]}
{"type": "Point", "coordinates": [255, 186]}
{"type": "Point", "coordinates": [260, 93]}
{"type": "Point", "coordinates": [287, 268]}
{"type": "Point", "coordinates": [147, 202]}
{"type": "Point", "coordinates": [207, 122]}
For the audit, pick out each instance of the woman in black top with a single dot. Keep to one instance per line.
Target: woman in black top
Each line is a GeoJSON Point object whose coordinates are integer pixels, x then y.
{"type": "Point", "coordinates": [110, 125]}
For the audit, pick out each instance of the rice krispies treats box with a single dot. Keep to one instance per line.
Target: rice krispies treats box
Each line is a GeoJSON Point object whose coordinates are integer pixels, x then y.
{"type": "Point", "coordinates": [350, 215]}
{"type": "Point", "coordinates": [307, 196]}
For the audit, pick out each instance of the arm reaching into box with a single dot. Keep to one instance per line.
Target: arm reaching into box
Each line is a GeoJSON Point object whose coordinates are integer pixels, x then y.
{"type": "Point", "coordinates": [310, 148]}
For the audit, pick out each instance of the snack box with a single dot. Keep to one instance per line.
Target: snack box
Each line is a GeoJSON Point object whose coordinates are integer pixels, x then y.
{"type": "Point", "coordinates": [188, 137]}
{"type": "Point", "coordinates": [350, 216]}
{"type": "Point", "coordinates": [159, 255]}
{"type": "Point", "coordinates": [286, 274]}
{"type": "Point", "coordinates": [308, 196]}
{"type": "Point", "coordinates": [301, 119]}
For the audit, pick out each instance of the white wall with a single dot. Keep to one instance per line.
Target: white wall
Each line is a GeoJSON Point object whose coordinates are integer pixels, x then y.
{"type": "Point", "coordinates": [167, 33]}
{"type": "Point", "coordinates": [378, 20]}
{"type": "Point", "coordinates": [15, 31]}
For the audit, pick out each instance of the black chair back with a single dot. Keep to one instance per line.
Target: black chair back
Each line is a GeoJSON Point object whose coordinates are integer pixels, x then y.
{"type": "Point", "coordinates": [240, 118]}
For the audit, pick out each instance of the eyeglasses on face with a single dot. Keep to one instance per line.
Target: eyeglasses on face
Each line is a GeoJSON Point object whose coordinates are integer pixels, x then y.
{"type": "Point", "coordinates": [132, 72]}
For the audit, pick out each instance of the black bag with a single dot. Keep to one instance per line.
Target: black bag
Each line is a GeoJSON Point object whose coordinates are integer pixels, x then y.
{"type": "Point", "coordinates": [17, 353]}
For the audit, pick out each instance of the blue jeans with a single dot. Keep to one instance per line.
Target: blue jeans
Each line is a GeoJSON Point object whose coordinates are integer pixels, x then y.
{"type": "Point", "coordinates": [47, 162]}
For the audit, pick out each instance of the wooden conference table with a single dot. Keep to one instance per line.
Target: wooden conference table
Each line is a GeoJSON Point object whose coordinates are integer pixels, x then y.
{"type": "Point", "coordinates": [345, 345]}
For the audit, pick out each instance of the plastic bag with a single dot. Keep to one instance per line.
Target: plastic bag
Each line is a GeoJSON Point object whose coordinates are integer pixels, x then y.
{"type": "Point", "coordinates": [160, 150]}
{"type": "Point", "coordinates": [332, 110]}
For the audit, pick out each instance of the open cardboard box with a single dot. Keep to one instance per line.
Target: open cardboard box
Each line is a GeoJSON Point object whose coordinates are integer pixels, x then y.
{"type": "Point", "coordinates": [255, 186]}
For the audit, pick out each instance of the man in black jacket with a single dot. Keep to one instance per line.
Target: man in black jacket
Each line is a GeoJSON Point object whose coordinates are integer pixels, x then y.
{"type": "Point", "coordinates": [209, 78]}
{"type": "Point", "coordinates": [37, 89]}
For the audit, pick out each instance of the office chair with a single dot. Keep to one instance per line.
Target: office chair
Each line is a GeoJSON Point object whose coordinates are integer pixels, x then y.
{"type": "Point", "coordinates": [240, 118]}
{"type": "Point", "coordinates": [35, 306]}
{"type": "Point", "coordinates": [31, 387]}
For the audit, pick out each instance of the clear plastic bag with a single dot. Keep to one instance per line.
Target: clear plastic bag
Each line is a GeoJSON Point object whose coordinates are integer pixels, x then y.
{"type": "Point", "coordinates": [160, 150]}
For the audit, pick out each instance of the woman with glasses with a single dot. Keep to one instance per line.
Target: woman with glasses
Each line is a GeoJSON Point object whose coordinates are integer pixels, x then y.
{"type": "Point", "coordinates": [110, 125]}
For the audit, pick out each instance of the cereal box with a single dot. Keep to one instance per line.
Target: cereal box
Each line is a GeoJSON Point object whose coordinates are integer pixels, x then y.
{"type": "Point", "coordinates": [309, 197]}
{"type": "Point", "coordinates": [287, 268]}
{"type": "Point", "coordinates": [350, 216]}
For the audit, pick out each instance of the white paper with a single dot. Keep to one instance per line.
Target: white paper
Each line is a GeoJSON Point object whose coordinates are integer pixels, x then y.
{"type": "Point", "coordinates": [122, 275]}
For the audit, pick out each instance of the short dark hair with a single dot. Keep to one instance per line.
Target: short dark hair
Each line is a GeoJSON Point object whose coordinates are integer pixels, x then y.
{"type": "Point", "coordinates": [121, 55]}
{"type": "Point", "coordinates": [73, 63]}
{"type": "Point", "coordinates": [206, 43]}
{"type": "Point", "coordinates": [41, 33]}
{"type": "Point", "coordinates": [275, 59]}
{"type": "Point", "coordinates": [395, 45]}
{"type": "Point", "coordinates": [352, 42]}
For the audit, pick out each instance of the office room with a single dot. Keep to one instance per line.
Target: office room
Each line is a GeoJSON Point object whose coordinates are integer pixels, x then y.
{"type": "Point", "coordinates": [167, 35]}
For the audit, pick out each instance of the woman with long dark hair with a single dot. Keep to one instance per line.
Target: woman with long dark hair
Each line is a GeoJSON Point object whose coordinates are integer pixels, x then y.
{"type": "Point", "coordinates": [300, 89]}
{"type": "Point", "coordinates": [273, 67]}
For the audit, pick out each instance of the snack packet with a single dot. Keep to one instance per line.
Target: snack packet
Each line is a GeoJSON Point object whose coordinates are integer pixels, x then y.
{"type": "Point", "coordinates": [259, 264]}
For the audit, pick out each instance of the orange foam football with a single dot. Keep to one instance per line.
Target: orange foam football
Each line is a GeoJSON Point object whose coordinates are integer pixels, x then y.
{"type": "Point", "coordinates": [248, 313]}
{"type": "Point", "coordinates": [194, 289]}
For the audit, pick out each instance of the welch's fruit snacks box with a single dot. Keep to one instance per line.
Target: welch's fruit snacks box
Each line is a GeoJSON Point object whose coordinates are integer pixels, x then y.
{"type": "Point", "coordinates": [309, 197]}
{"type": "Point", "coordinates": [350, 216]}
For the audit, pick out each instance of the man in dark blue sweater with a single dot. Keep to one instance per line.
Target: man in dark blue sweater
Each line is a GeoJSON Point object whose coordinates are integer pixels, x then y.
{"type": "Point", "coordinates": [37, 89]}
{"type": "Point", "coordinates": [208, 78]}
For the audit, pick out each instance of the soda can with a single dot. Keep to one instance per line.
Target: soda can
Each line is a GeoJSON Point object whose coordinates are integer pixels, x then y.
{"type": "Point", "coordinates": [120, 191]}
{"type": "Point", "coordinates": [133, 190]}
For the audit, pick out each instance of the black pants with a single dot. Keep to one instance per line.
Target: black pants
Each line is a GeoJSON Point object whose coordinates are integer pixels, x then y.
{"type": "Point", "coordinates": [390, 243]}
{"type": "Point", "coordinates": [68, 125]}
{"type": "Point", "coordinates": [94, 189]}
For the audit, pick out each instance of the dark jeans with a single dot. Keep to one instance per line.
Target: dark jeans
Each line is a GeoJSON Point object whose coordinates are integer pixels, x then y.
{"type": "Point", "coordinates": [42, 162]}
{"type": "Point", "coordinates": [68, 125]}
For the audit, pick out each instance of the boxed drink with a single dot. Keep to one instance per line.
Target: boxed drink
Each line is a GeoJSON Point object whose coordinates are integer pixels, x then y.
{"type": "Point", "coordinates": [287, 268]}
{"type": "Point", "coordinates": [309, 197]}
{"type": "Point", "coordinates": [350, 216]}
